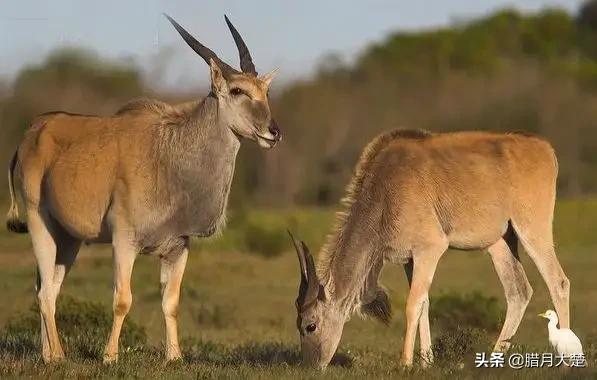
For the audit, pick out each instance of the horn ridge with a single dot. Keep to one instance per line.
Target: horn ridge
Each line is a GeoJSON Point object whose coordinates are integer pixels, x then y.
{"type": "Point", "coordinates": [300, 253]}
{"type": "Point", "coordinates": [312, 280]}
{"type": "Point", "coordinates": [202, 50]}
{"type": "Point", "coordinates": [309, 285]}
{"type": "Point", "coordinates": [246, 62]}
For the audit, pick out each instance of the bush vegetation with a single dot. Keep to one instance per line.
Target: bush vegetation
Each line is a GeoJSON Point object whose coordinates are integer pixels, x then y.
{"type": "Point", "coordinates": [506, 71]}
{"type": "Point", "coordinates": [84, 324]}
{"type": "Point", "coordinates": [237, 315]}
{"type": "Point", "coordinates": [450, 311]}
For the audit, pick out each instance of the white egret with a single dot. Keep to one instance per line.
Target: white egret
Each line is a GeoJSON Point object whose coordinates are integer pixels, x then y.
{"type": "Point", "coordinates": [564, 341]}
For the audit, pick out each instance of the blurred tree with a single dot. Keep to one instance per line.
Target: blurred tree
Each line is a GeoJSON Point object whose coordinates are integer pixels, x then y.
{"type": "Point", "coordinates": [587, 25]}
{"type": "Point", "coordinates": [77, 80]}
{"type": "Point", "coordinates": [507, 71]}
{"type": "Point", "coordinates": [587, 15]}
{"type": "Point", "coordinates": [70, 79]}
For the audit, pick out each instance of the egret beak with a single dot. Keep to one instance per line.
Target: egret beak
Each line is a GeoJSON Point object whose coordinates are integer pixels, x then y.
{"type": "Point", "coordinates": [542, 315]}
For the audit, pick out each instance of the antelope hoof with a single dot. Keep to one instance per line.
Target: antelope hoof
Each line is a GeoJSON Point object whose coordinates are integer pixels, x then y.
{"type": "Point", "coordinates": [110, 358]}
{"type": "Point", "coordinates": [54, 358]}
{"type": "Point", "coordinates": [426, 360]}
{"type": "Point", "coordinates": [173, 355]}
{"type": "Point", "coordinates": [406, 362]}
{"type": "Point", "coordinates": [502, 346]}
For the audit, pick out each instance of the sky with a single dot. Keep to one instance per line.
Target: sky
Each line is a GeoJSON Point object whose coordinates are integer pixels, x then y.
{"type": "Point", "coordinates": [290, 35]}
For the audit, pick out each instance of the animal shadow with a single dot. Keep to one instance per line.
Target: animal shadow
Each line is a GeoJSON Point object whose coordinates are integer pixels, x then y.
{"type": "Point", "coordinates": [258, 354]}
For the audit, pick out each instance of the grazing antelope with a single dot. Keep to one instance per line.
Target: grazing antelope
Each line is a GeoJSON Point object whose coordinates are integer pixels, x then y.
{"type": "Point", "coordinates": [144, 180]}
{"type": "Point", "coordinates": [414, 195]}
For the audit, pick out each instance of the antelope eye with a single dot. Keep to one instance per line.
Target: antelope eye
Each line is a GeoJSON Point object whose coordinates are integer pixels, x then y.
{"type": "Point", "coordinates": [311, 327]}
{"type": "Point", "coordinates": [236, 91]}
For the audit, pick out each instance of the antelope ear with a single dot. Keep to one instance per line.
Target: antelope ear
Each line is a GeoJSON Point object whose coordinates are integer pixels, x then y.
{"type": "Point", "coordinates": [379, 308]}
{"type": "Point", "coordinates": [219, 85]}
{"type": "Point", "coordinates": [267, 78]}
{"type": "Point", "coordinates": [322, 294]}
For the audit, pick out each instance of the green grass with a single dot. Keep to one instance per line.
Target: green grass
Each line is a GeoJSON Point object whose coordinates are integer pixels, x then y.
{"type": "Point", "coordinates": [237, 317]}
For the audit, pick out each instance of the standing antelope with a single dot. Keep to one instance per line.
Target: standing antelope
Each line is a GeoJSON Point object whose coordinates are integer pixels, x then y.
{"type": "Point", "coordinates": [144, 180]}
{"type": "Point", "coordinates": [414, 195]}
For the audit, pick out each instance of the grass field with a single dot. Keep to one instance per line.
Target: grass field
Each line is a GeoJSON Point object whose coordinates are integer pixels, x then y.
{"type": "Point", "coordinates": [237, 316]}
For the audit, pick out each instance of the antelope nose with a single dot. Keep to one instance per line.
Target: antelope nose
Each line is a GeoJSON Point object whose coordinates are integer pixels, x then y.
{"type": "Point", "coordinates": [275, 131]}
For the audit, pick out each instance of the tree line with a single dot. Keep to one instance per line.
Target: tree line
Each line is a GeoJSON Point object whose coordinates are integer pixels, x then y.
{"type": "Point", "coordinates": [504, 72]}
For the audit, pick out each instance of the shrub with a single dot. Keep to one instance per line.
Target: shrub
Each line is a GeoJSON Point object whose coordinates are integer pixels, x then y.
{"type": "Point", "coordinates": [264, 241]}
{"type": "Point", "coordinates": [84, 327]}
{"type": "Point", "coordinates": [216, 316]}
{"type": "Point", "coordinates": [458, 346]}
{"type": "Point", "coordinates": [450, 311]}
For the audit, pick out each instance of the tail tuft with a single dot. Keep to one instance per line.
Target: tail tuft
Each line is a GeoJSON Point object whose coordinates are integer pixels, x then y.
{"type": "Point", "coordinates": [380, 308]}
{"type": "Point", "coordinates": [13, 224]}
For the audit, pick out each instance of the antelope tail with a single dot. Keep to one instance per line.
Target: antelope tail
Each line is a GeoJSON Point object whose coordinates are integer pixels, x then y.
{"type": "Point", "coordinates": [13, 223]}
